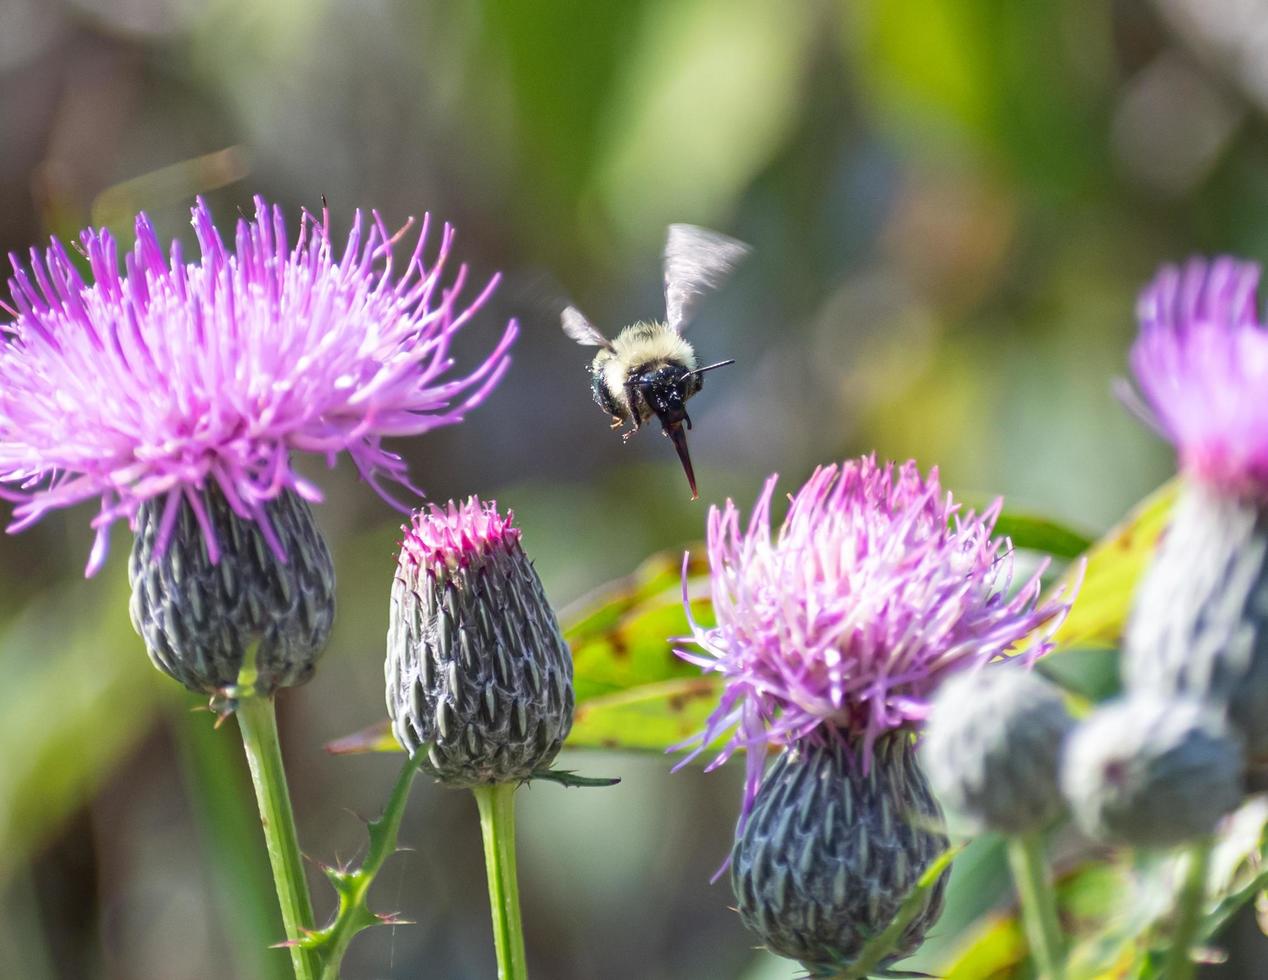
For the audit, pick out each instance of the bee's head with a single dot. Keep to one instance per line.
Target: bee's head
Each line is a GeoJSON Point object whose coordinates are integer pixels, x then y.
{"type": "Point", "coordinates": [667, 389]}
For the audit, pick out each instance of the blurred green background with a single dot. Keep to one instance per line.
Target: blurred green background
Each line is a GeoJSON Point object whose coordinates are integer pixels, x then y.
{"type": "Point", "coordinates": [952, 205]}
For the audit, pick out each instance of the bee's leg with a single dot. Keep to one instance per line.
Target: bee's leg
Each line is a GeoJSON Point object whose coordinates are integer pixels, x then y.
{"type": "Point", "coordinates": [617, 422]}
{"type": "Point", "coordinates": [633, 419]}
{"type": "Point", "coordinates": [632, 392]}
{"type": "Point", "coordinates": [687, 418]}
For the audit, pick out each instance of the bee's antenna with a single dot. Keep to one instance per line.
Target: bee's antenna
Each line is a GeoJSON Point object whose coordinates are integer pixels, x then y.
{"type": "Point", "coordinates": [709, 367]}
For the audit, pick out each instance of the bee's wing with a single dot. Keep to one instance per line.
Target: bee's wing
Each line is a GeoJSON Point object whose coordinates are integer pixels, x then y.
{"type": "Point", "coordinates": [582, 330]}
{"type": "Point", "coordinates": [697, 261]}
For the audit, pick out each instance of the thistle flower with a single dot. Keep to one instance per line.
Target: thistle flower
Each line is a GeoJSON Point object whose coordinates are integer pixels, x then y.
{"type": "Point", "coordinates": [159, 379]}
{"type": "Point", "coordinates": [1199, 625]}
{"type": "Point", "coordinates": [875, 589]}
{"type": "Point", "coordinates": [993, 749]}
{"type": "Point", "coordinates": [477, 671]}
{"type": "Point", "coordinates": [1152, 772]}
{"type": "Point", "coordinates": [831, 637]}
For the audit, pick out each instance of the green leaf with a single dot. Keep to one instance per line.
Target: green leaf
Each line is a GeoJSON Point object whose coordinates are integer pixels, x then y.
{"type": "Point", "coordinates": [567, 777]}
{"type": "Point", "coordinates": [648, 718]}
{"type": "Point", "coordinates": [621, 635]}
{"type": "Point", "coordinates": [1036, 533]}
{"type": "Point", "coordinates": [1091, 674]}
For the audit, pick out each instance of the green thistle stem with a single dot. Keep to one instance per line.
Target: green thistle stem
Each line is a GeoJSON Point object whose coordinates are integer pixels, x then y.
{"type": "Point", "coordinates": [1038, 904]}
{"type": "Point", "coordinates": [257, 722]}
{"type": "Point", "coordinates": [497, 825]}
{"type": "Point", "coordinates": [1179, 965]}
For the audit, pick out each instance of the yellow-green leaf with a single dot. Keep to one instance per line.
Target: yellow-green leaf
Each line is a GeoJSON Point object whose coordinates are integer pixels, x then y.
{"type": "Point", "coordinates": [650, 717]}
{"type": "Point", "coordinates": [621, 636]}
{"type": "Point", "coordinates": [1114, 567]}
{"type": "Point", "coordinates": [995, 949]}
{"type": "Point", "coordinates": [373, 738]}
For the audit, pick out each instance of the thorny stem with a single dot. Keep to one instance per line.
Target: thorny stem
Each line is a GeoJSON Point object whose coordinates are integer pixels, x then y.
{"type": "Point", "coordinates": [1038, 904]}
{"type": "Point", "coordinates": [353, 916]}
{"type": "Point", "coordinates": [497, 825]}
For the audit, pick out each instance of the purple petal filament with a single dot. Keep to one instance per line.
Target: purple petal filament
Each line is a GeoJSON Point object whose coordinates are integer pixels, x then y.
{"type": "Point", "coordinates": [456, 535]}
{"type": "Point", "coordinates": [1201, 364]}
{"type": "Point", "coordinates": [163, 375]}
{"type": "Point", "coordinates": [874, 589]}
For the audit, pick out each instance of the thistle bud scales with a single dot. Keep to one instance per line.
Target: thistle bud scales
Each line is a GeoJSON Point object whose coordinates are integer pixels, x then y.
{"type": "Point", "coordinates": [829, 853]}
{"type": "Point", "coordinates": [200, 617]}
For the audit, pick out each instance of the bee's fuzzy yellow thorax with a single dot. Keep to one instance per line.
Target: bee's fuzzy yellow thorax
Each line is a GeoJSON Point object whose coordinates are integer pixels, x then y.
{"type": "Point", "coordinates": [652, 343]}
{"type": "Point", "coordinates": [636, 348]}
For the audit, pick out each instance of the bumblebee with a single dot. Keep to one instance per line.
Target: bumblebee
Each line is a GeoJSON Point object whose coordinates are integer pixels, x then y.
{"type": "Point", "coordinates": [649, 369]}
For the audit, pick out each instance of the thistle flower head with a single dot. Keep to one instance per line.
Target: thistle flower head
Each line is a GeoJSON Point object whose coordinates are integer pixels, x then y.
{"type": "Point", "coordinates": [1201, 363]}
{"type": "Point", "coordinates": [477, 672]}
{"type": "Point", "coordinates": [874, 589]}
{"type": "Point", "coordinates": [156, 377]}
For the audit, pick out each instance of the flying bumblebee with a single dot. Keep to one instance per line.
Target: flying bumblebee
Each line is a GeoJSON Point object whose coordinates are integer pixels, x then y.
{"type": "Point", "coordinates": [649, 369]}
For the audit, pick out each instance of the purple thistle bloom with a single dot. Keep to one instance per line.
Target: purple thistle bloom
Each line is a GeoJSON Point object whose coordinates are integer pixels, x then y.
{"type": "Point", "coordinates": [456, 536]}
{"type": "Point", "coordinates": [874, 590]}
{"type": "Point", "coordinates": [1201, 361]}
{"type": "Point", "coordinates": [162, 377]}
